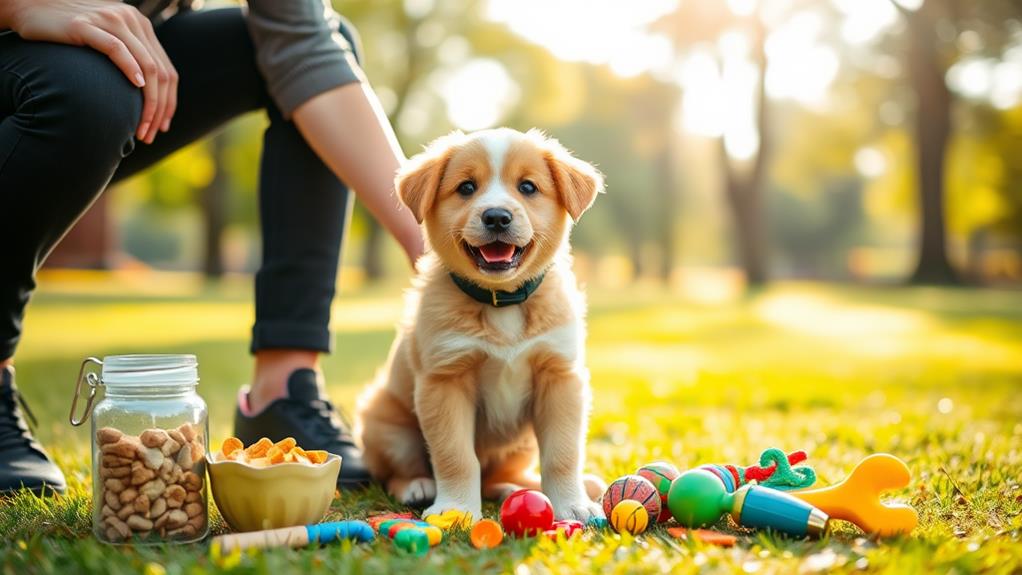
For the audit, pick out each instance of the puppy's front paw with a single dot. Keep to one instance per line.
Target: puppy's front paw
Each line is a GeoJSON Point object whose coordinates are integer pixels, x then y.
{"type": "Point", "coordinates": [579, 509]}
{"type": "Point", "coordinates": [442, 506]}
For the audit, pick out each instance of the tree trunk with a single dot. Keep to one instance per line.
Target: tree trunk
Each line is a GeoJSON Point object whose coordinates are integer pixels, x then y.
{"type": "Point", "coordinates": [668, 209]}
{"type": "Point", "coordinates": [932, 130]}
{"type": "Point", "coordinates": [745, 202]}
{"type": "Point", "coordinates": [635, 254]}
{"type": "Point", "coordinates": [214, 210]}
{"type": "Point", "coordinates": [745, 191]}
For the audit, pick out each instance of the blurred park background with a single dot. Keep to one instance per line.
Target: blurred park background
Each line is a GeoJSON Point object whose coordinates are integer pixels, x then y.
{"type": "Point", "coordinates": [874, 141]}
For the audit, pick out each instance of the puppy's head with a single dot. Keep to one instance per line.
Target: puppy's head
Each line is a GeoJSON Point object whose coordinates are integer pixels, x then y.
{"type": "Point", "coordinates": [497, 204]}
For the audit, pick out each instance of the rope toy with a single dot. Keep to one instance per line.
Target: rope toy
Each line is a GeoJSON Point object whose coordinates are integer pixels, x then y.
{"type": "Point", "coordinates": [775, 470]}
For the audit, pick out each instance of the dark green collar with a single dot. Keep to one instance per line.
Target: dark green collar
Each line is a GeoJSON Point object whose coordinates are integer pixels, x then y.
{"type": "Point", "coordinates": [498, 298]}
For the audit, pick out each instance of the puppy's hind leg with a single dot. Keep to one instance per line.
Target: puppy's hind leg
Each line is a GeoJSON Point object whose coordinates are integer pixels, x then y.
{"type": "Point", "coordinates": [409, 482]}
{"type": "Point", "coordinates": [510, 474]}
{"type": "Point", "coordinates": [394, 450]}
{"type": "Point", "coordinates": [595, 486]}
{"type": "Point", "coordinates": [418, 492]}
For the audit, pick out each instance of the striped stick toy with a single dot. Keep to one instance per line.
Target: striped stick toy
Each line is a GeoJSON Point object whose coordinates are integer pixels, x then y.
{"type": "Point", "coordinates": [299, 536]}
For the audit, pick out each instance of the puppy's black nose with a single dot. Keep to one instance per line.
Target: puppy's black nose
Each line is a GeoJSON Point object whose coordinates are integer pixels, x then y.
{"type": "Point", "coordinates": [497, 219]}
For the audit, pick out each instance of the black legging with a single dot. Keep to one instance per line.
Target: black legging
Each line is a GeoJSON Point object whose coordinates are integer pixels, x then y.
{"type": "Point", "coordinates": [67, 119]}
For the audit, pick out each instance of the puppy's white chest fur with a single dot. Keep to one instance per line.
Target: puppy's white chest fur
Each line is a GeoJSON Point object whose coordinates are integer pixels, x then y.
{"type": "Point", "coordinates": [505, 385]}
{"type": "Point", "coordinates": [505, 378]}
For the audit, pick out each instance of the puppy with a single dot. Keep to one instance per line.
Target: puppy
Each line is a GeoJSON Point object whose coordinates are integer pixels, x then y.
{"type": "Point", "coordinates": [488, 369]}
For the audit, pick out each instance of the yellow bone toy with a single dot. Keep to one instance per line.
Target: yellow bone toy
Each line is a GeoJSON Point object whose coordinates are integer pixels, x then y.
{"type": "Point", "coordinates": [450, 519]}
{"type": "Point", "coordinates": [857, 498]}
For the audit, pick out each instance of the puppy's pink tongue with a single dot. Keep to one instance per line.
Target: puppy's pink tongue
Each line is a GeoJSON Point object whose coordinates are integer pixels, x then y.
{"type": "Point", "coordinates": [497, 252]}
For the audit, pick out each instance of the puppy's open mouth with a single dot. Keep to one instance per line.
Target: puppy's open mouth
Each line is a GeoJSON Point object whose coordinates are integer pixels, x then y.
{"type": "Point", "coordinates": [495, 256]}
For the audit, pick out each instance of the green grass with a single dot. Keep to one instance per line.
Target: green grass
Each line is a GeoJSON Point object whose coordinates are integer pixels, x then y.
{"type": "Point", "coordinates": [933, 376]}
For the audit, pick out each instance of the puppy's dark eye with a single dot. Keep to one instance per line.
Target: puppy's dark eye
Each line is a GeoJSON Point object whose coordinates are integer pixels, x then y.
{"type": "Point", "coordinates": [467, 188]}
{"type": "Point", "coordinates": [527, 188]}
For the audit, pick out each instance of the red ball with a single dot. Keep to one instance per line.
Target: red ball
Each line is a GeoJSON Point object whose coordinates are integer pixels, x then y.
{"type": "Point", "coordinates": [633, 487]}
{"type": "Point", "coordinates": [526, 513]}
{"type": "Point", "coordinates": [569, 526]}
{"type": "Point", "coordinates": [660, 474]}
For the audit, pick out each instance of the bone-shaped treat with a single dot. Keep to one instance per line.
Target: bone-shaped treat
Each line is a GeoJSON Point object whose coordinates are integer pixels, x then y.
{"type": "Point", "coordinates": [857, 498]}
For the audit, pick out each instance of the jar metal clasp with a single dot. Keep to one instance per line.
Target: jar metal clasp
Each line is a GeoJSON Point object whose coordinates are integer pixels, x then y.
{"type": "Point", "coordinates": [93, 381]}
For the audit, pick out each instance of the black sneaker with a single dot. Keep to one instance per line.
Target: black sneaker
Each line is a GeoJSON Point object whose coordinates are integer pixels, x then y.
{"type": "Point", "coordinates": [23, 462]}
{"type": "Point", "coordinates": [311, 420]}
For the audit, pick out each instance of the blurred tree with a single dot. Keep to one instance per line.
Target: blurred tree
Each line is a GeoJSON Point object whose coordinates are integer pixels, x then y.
{"type": "Point", "coordinates": [935, 29]}
{"type": "Point", "coordinates": [213, 199]}
{"type": "Point", "coordinates": [814, 203]}
{"type": "Point", "coordinates": [985, 183]}
{"type": "Point", "coordinates": [926, 69]}
{"type": "Point", "coordinates": [700, 25]}
{"type": "Point", "coordinates": [623, 127]}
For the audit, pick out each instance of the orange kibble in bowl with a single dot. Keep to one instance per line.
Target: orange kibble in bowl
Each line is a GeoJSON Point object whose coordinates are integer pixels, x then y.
{"type": "Point", "coordinates": [259, 448]}
{"type": "Point", "coordinates": [231, 444]}
{"type": "Point", "coordinates": [275, 455]}
{"type": "Point", "coordinates": [269, 485]}
{"type": "Point", "coordinates": [265, 453]}
{"type": "Point", "coordinates": [286, 444]}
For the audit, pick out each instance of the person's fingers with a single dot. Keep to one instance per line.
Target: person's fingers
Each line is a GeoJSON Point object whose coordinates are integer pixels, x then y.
{"type": "Point", "coordinates": [141, 30]}
{"type": "Point", "coordinates": [161, 111]}
{"type": "Point", "coordinates": [161, 106]}
{"type": "Point", "coordinates": [108, 44]}
{"type": "Point", "coordinates": [168, 84]}
{"type": "Point", "coordinates": [151, 70]}
{"type": "Point", "coordinates": [171, 80]}
{"type": "Point", "coordinates": [171, 100]}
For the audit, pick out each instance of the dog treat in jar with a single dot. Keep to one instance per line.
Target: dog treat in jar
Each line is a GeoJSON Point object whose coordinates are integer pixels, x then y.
{"type": "Point", "coordinates": [149, 441]}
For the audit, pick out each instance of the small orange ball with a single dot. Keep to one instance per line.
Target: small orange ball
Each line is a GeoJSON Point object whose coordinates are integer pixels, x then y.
{"type": "Point", "coordinates": [486, 534]}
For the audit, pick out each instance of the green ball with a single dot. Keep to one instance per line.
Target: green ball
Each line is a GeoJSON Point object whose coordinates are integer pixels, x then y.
{"type": "Point", "coordinates": [698, 498]}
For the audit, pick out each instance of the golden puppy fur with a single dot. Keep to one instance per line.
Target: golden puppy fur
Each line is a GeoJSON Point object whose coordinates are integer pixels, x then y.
{"type": "Point", "coordinates": [473, 393]}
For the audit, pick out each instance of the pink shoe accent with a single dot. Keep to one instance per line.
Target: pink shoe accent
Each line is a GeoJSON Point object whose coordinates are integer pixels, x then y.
{"type": "Point", "coordinates": [243, 404]}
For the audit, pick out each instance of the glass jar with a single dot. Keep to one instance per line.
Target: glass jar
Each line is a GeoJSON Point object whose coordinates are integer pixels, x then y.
{"type": "Point", "coordinates": [149, 441]}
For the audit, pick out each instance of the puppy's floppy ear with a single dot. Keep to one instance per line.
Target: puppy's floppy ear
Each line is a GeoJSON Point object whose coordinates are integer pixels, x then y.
{"type": "Point", "coordinates": [418, 181]}
{"type": "Point", "coordinates": [577, 182]}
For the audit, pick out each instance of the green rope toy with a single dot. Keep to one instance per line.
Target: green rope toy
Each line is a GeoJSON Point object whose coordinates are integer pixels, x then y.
{"type": "Point", "coordinates": [776, 470]}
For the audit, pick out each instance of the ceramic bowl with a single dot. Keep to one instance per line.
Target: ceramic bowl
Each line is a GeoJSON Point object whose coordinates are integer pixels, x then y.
{"type": "Point", "coordinates": [282, 495]}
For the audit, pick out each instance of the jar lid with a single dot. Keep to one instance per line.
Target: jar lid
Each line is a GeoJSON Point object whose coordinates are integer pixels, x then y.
{"type": "Point", "coordinates": [155, 369]}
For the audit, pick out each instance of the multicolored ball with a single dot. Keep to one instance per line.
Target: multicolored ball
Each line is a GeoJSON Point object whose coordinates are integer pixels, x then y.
{"type": "Point", "coordinates": [660, 474]}
{"type": "Point", "coordinates": [633, 487]}
{"type": "Point", "coordinates": [629, 516]}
